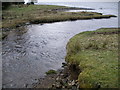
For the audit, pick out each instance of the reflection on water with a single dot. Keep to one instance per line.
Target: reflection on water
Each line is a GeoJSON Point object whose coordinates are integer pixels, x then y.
{"type": "Point", "coordinates": [32, 50]}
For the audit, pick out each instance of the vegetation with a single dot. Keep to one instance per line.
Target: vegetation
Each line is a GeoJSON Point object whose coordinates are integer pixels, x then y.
{"type": "Point", "coordinates": [5, 5]}
{"type": "Point", "coordinates": [51, 72]}
{"type": "Point", "coordinates": [15, 15]}
{"type": "Point", "coordinates": [96, 55]}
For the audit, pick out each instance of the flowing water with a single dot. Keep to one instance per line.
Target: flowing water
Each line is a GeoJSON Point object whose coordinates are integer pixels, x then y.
{"type": "Point", "coordinates": [30, 51]}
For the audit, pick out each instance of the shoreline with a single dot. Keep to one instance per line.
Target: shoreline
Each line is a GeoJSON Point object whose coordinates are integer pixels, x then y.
{"type": "Point", "coordinates": [96, 58]}
{"type": "Point", "coordinates": [64, 78]}
{"type": "Point", "coordinates": [55, 9]}
{"type": "Point", "coordinates": [44, 14]}
{"type": "Point", "coordinates": [68, 76]}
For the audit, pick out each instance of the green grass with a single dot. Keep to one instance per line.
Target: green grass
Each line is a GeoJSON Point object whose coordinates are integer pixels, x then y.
{"type": "Point", "coordinates": [96, 54]}
{"type": "Point", "coordinates": [20, 14]}
{"type": "Point", "coordinates": [51, 72]}
{"type": "Point", "coordinates": [15, 14]}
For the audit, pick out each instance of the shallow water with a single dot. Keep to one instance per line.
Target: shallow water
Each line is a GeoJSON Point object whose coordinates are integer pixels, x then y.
{"type": "Point", "coordinates": [30, 51]}
{"type": "Point", "coordinates": [103, 7]}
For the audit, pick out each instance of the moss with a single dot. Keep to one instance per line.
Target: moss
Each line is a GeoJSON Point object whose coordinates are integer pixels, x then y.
{"type": "Point", "coordinates": [51, 72]}
{"type": "Point", "coordinates": [96, 54]}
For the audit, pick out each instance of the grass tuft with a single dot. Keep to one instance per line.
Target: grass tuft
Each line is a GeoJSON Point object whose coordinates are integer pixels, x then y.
{"type": "Point", "coordinates": [51, 72]}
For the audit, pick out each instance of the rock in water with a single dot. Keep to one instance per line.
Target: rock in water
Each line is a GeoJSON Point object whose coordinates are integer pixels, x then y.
{"type": "Point", "coordinates": [18, 46]}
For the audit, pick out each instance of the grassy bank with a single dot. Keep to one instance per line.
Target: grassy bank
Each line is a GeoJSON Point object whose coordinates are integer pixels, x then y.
{"type": "Point", "coordinates": [96, 55]}
{"type": "Point", "coordinates": [16, 15]}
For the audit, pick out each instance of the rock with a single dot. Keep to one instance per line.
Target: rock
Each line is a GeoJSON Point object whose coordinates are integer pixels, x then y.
{"type": "Point", "coordinates": [26, 85]}
{"type": "Point", "coordinates": [18, 46]}
{"type": "Point", "coordinates": [41, 24]}
{"type": "Point", "coordinates": [76, 81]}
{"type": "Point", "coordinates": [63, 87]}
{"type": "Point", "coordinates": [74, 88]}
{"type": "Point", "coordinates": [18, 26]}
{"type": "Point", "coordinates": [78, 86]}
{"type": "Point", "coordinates": [28, 23]}
{"type": "Point", "coordinates": [66, 86]}
{"type": "Point", "coordinates": [64, 64]}
{"type": "Point", "coordinates": [69, 87]}
{"type": "Point", "coordinates": [61, 75]}
{"type": "Point", "coordinates": [64, 80]}
{"type": "Point", "coordinates": [61, 82]}
{"type": "Point", "coordinates": [69, 83]}
{"type": "Point", "coordinates": [53, 85]}
{"type": "Point", "coordinates": [65, 75]}
{"type": "Point", "coordinates": [58, 78]}
{"type": "Point", "coordinates": [58, 86]}
{"type": "Point", "coordinates": [73, 82]}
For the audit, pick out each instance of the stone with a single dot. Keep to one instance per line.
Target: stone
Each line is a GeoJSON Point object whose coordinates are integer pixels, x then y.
{"type": "Point", "coordinates": [28, 23]}
{"type": "Point", "coordinates": [73, 82]}
{"type": "Point", "coordinates": [57, 79]}
{"type": "Point", "coordinates": [69, 83]}
{"type": "Point", "coordinates": [74, 88]}
{"type": "Point", "coordinates": [53, 85]}
{"type": "Point", "coordinates": [61, 82]}
{"type": "Point", "coordinates": [78, 86]}
{"type": "Point", "coordinates": [58, 86]}
{"type": "Point", "coordinates": [65, 76]}
{"type": "Point", "coordinates": [64, 80]}
{"type": "Point", "coordinates": [18, 46]}
{"type": "Point", "coordinates": [64, 64]}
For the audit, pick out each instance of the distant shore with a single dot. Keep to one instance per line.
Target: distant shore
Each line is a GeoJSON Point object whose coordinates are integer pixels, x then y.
{"type": "Point", "coordinates": [16, 16]}
{"type": "Point", "coordinates": [21, 14]}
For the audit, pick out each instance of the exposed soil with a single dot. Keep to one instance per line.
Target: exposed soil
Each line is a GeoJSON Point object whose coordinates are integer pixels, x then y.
{"type": "Point", "coordinates": [65, 78]}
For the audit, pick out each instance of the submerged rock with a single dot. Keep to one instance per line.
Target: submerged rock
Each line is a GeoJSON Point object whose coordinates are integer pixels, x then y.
{"type": "Point", "coordinates": [18, 46]}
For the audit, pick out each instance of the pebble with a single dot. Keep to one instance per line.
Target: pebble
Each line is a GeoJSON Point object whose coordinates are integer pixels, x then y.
{"type": "Point", "coordinates": [18, 46]}
{"type": "Point", "coordinates": [28, 23]}
{"type": "Point", "coordinates": [53, 85]}
{"type": "Point", "coordinates": [64, 64]}
{"type": "Point", "coordinates": [57, 78]}
{"type": "Point", "coordinates": [73, 83]}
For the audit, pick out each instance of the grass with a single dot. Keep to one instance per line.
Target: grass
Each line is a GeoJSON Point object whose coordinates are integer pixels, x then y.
{"type": "Point", "coordinates": [51, 72]}
{"type": "Point", "coordinates": [96, 55]}
{"type": "Point", "coordinates": [17, 15]}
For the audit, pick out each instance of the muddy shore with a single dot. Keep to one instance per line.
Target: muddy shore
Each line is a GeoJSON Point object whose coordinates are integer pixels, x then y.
{"type": "Point", "coordinates": [66, 77]}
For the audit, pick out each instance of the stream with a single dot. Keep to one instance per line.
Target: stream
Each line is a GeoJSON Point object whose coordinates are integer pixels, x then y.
{"type": "Point", "coordinates": [30, 51]}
